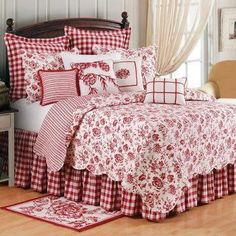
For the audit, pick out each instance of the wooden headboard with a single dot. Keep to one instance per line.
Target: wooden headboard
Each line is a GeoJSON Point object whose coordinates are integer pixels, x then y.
{"type": "Point", "coordinates": [55, 28]}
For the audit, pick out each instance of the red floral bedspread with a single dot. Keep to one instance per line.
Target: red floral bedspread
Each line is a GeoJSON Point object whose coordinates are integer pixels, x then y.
{"type": "Point", "coordinates": [153, 149]}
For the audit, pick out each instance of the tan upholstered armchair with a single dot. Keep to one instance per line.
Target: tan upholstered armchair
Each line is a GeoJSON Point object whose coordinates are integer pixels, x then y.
{"type": "Point", "coordinates": [222, 81]}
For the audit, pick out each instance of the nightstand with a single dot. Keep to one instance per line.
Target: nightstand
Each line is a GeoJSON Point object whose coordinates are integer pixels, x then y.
{"type": "Point", "coordinates": [7, 124]}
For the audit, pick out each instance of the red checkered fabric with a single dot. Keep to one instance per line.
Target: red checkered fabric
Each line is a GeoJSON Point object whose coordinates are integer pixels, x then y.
{"type": "Point", "coordinates": [166, 91]}
{"type": "Point", "coordinates": [232, 178]}
{"type": "Point", "coordinates": [85, 39]}
{"type": "Point", "coordinates": [131, 204]}
{"type": "Point", "coordinates": [110, 194]}
{"type": "Point", "coordinates": [56, 183]}
{"type": "Point", "coordinates": [181, 205]}
{"type": "Point", "coordinates": [73, 184]}
{"type": "Point", "coordinates": [218, 181]}
{"type": "Point", "coordinates": [57, 85]}
{"type": "Point", "coordinates": [189, 197]}
{"type": "Point", "coordinates": [225, 177]}
{"type": "Point", "coordinates": [91, 188]}
{"type": "Point", "coordinates": [39, 175]}
{"type": "Point", "coordinates": [152, 215]}
{"type": "Point", "coordinates": [191, 194]}
{"type": "Point", "coordinates": [206, 192]}
{"type": "Point", "coordinates": [24, 143]}
{"type": "Point", "coordinates": [15, 44]}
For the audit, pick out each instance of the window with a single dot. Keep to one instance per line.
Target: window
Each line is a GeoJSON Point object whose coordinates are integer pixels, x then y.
{"type": "Point", "coordinates": [193, 68]}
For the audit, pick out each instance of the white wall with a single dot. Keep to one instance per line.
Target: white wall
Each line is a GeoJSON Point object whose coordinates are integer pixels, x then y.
{"type": "Point", "coordinates": [27, 12]}
{"type": "Point", "coordinates": [217, 54]}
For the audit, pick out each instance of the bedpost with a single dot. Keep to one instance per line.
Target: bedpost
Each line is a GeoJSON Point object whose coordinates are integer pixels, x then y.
{"type": "Point", "coordinates": [9, 29]}
{"type": "Point", "coordinates": [125, 22]}
{"type": "Point", "coordinates": [10, 25]}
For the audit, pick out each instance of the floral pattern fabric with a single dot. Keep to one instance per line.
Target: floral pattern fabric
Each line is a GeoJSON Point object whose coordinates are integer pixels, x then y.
{"type": "Point", "coordinates": [122, 74]}
{"type": "Point", "coordinates": [148, 55]}
{"type": "Point", "coordinates": [96, 77]}
{"type": "Point", "coordinates": [152, 149]}
{"type": "Point", "coordinates": [196, 95]}
{"type": "Point", "coordinates": [155, 149]}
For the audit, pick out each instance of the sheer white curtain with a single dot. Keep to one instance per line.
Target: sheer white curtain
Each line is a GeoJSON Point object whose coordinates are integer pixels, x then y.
{"type": "Point", "coordinates": [176, 26]}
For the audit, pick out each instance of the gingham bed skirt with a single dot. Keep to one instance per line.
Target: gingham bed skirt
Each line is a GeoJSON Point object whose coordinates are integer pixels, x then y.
{"type": "Point", "coordinates": [80, 185]}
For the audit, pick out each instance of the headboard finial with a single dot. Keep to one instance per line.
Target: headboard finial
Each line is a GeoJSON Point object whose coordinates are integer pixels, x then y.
{"type": "Point", "coordinates": [125, 22]}
{"type": "Point", "coordinates": [10, 25]}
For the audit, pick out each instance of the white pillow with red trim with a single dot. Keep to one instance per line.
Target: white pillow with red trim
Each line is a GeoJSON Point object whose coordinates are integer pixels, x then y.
{"type": "Point", "coordinates": [15, 44]}
{"type": "Point", "coordinates": [96, 77]}
{"type": "Point", "coordinates": [166, 91]}
{"type": "Point", "coordinates": [128, 74]}
{"type": "Point", "coordinates": [57, 85]}
{"type": "Point", "coordinates": [69, 58]}
{"type": "Point", "coordinates": [148, 55]}
{"type": "Point", "coordinates": [85, 39]}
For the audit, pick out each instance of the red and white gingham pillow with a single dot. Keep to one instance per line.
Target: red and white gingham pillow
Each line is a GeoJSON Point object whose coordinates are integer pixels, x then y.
{"type": "Point", "coordinates": [57, 85]}
{"type": "Point", "coordinates": [166, 91]}
{"type": "Point", "coordinates": [15, 44]}
{"type": "Point", "coordinates": [96, 77]}
{"type": "Point", "coordinates": [148, 55]}
{"type": "Point", "coordinates": [128, 74]}
{"type": "Point", "coordinates": [85, 39]}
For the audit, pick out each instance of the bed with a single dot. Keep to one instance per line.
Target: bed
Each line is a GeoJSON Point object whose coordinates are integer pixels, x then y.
{"type": "Point", "coordinates": [151, 186]}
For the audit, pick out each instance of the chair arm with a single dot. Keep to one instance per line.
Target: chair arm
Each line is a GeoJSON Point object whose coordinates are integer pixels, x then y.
{"type": "Point", "coordinates": [211, 88]}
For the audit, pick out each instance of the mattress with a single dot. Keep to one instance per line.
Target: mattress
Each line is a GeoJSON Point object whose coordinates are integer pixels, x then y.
{"type": "Point", "coordinates": [30, 116]}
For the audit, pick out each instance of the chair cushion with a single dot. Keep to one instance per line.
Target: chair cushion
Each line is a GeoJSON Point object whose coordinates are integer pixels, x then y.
{"type": "Point", "coordinates": [224, 75]}
{"type": "Point", "coordinates": [227, 100]}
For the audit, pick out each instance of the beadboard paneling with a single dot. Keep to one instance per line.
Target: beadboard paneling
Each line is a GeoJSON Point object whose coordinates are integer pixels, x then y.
{"type": "Point", "coordinates": [27, 12]}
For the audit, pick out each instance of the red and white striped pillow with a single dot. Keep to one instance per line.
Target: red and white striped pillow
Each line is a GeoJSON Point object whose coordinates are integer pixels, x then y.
{"type": "Point", "coordinates": [15, 44]}
{"type": "Point", "coordinates": [85, 39]}
{"type": "Point", "coordinates": [57, 85]}
{"type": "Point", "coordinates": [96, 77]}
{"type": "Point", "coordinates": [128, 74]}
{"type": "Point", "coordinates": [166, 91]}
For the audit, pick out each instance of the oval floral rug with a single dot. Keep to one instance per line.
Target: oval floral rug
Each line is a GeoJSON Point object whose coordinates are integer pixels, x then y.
{"type": "Point", "coordinates": [63, 212]}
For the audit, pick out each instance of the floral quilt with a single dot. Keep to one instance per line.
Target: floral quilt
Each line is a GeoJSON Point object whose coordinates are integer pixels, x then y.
{"type": "Point", "coordinates": [152, 149]}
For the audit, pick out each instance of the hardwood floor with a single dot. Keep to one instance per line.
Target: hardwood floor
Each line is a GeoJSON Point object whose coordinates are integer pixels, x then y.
{"type": "Point", "coordinates": [215, 219]}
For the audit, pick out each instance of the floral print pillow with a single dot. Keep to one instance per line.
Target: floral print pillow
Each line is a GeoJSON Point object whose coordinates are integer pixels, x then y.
{"type": "Point", "coordinates": [197, 95]}
{"type": "Point", "coordinates": [96, 77]}
{"type": "Point", "coordinates": [32, 62]}
{"type": "Point", "coordinates": [148, 55]}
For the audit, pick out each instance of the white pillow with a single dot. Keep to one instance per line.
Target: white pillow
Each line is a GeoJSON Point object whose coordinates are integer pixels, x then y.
{"type": "Point", "coordinates": [129, 74]}
{"type": "Point", "coordinates": [96, 77]}
{"type": "Point", "coordinates": [166, 91]}
{"type": "Point", "coordinates": [69, 58]}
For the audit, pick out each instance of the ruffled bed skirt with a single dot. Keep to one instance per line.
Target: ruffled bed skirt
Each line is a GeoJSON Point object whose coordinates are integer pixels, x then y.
{"type": "Point", "coordinates": [80, 185]}
{"type": "Point", "coordinates": [24, 143]}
